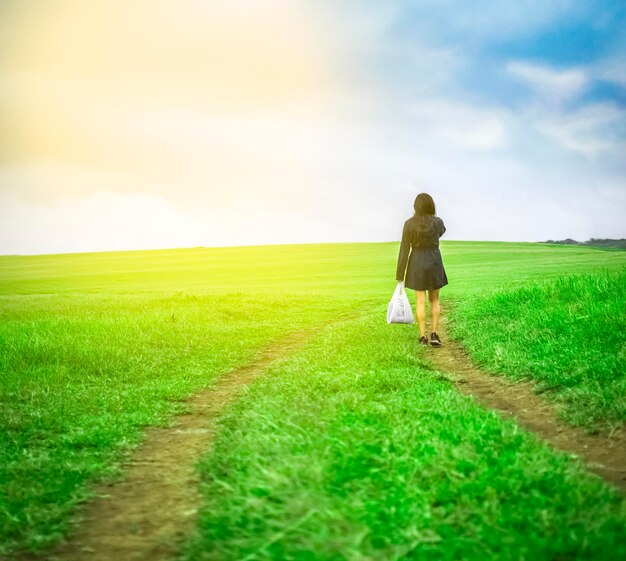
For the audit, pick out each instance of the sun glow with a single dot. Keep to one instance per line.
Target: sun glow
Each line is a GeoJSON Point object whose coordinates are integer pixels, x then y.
{"type": "Point", "coordinates": [200, 103]}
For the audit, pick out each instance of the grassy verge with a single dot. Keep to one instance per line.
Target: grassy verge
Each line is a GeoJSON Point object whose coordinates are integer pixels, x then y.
{"type": "Point", "coordinates": [94, 347]}
{"type": "Point", "coordinates": [80, 378]}
{"type": "Point", "coordinates": [568, 335]}
{"type": "Point", "coordinates": [353, 451]}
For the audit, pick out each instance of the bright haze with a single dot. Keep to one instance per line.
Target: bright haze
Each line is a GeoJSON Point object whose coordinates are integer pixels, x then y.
{"type": "Point", "coordinates": [156, 124]}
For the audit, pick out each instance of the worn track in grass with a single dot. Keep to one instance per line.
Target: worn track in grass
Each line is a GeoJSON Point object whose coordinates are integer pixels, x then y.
{"type": "Point", "coordinates": [149, 512]}
{"type": "Point", "coordinates": [603, 454]}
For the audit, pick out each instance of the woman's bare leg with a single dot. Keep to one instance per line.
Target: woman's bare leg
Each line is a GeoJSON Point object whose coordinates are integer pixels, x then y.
{"type": "Point", "coordinates": [420, 310]}
{"type": "Point", "coordinates": [435, 308]}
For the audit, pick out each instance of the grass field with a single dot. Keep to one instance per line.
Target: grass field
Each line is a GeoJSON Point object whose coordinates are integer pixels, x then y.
{"type": "Point", "coordinates": [81, 375]}
{"type": "Point", "coordinates": [370, 448]}
{"type": "Point", "coordinates": [354, 451]}
{"type": "Point", "coordinates": [567, 334]}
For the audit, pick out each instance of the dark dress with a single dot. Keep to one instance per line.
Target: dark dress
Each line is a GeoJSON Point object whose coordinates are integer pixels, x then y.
{"type": "Point", "coordinates": [420, 247]}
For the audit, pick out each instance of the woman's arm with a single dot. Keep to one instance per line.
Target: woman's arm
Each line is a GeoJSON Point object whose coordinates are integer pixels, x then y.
{"type": "Point", "coordinates": [403, 256]}
{"type": "Point", "coordinates": [442, 227]}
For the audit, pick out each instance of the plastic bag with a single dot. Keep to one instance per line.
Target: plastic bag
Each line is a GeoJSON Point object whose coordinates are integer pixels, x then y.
{"type": "Point", "coordinates": [399, 310]}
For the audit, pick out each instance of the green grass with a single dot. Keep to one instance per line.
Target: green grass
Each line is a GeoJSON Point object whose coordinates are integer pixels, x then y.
{"type": "Point", "coordinates": [81, 377]}
{"type": "Point", "coordinates": [94, 347]}
{"type": "Point", "coordinates": [354, 451]}
{"type": "Point", "coordinates": [568, 335]}
{"type": "Point", "coordinates": [366, 269]}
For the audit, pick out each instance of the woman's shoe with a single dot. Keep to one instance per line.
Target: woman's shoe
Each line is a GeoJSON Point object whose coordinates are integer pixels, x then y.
{"type": "Point", "coordinates": [434, 340]}
{"type": "Point", "coordinates": [423, 341]}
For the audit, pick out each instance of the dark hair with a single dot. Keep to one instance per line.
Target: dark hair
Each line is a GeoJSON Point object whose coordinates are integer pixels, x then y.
{"type": "Point", "coordinates": [423, 221]}
{"type": "Point", "coordinates": [424, 204]}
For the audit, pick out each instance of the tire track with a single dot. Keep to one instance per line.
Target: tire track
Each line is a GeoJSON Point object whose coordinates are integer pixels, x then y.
{"type": "Point", "coordinates": [149, 513]}
{"type": "Point", "coordinates": [603, 454]}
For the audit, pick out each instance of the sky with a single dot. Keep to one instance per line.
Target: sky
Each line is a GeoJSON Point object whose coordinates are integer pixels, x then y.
{"type": "Point", "coordinates": [149, 124]}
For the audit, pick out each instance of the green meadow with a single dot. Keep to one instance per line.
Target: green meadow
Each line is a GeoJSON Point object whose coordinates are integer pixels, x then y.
{"type": "Point", "coordinates": [348, 449]}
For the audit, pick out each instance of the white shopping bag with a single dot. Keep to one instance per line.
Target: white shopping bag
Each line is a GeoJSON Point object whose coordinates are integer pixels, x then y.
{"type": "Point", "coordinates": [399, 310]}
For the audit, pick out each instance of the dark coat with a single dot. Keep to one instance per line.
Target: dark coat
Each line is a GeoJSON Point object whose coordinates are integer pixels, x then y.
{"type": "Point", "coordinates": [420, 250]}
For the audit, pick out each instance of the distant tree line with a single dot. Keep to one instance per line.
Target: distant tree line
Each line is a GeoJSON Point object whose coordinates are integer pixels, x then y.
{"type": "Point", "coordinates": [595, 242]}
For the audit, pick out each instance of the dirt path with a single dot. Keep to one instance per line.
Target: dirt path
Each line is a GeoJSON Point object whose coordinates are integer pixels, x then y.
{"type": "Point", "coordinates": [149, 512]}
{"type": "Point", "coordinates": [604, 455]}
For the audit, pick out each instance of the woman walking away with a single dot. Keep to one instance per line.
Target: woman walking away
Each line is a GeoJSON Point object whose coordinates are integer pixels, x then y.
{"type": "Point", "coordinates": [425, 272]}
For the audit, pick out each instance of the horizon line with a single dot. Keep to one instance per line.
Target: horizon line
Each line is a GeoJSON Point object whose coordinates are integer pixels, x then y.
{"type": "Point", "coordinates": [250, 246]}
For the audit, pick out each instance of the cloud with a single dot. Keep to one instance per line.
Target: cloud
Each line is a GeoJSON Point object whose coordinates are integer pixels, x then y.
{"type": "Point", "coordinates": [460, 124]}
{"type": "Point", "coordinates": [550, 85]}
{"type": "Point", "coordinates": [613, 69]}
{"type": "Point", "coordinates": [286, 121]}
{"type": "Point", "coordinates": [588, 130]}
{"type": "Point", "coordinates": [561, 112]}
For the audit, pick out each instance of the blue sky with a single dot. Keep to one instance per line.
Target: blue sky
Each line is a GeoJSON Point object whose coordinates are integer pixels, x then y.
{"type": "Point", "coordinates": [278, 121]}
{"type": "Point", "coordinates": [526, 100]}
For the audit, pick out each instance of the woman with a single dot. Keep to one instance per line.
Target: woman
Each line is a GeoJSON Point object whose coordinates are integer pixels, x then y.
{"type": "Point", "coordinates": [425, 272]}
